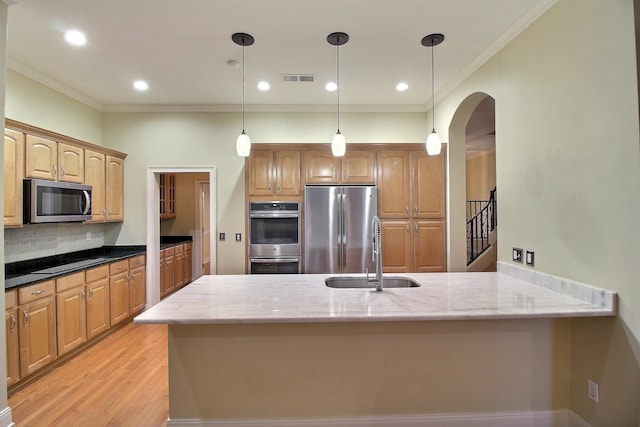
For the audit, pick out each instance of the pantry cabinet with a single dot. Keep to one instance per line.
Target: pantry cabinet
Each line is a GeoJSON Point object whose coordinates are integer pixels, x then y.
{"type": "Point", "coordinates": [273, 173]}
{"type": "Point", "coordinates": [11, 330]}
{"type": "Point", "coordinates": [37, 326]}
{"type": "Point", "coordinates": [13, 176]}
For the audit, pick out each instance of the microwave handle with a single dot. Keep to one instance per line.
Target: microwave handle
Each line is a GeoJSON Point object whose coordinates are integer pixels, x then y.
{"type": "Point", "coordinates": [88, 200]}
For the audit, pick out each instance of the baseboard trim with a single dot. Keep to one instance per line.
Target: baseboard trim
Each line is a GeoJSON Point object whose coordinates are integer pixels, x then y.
{"type": "Point", "coordinates": [559, 418]}
{"type": "Point", "coordinates": [5, 418]}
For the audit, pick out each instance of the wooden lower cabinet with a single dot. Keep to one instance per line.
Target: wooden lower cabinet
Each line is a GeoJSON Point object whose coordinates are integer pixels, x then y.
{"type": "Point", "coordinates": [37, 327]}
{"type": "Point", "coordinates": [178, 270]}
{"type": "Point", "coordinates": [98, 300]}
{"type": "Point", "coordinates": [188, 263]}
{"type": "Point", "coordinates": [11, 328]}
{"type": "Point", "coordinates": [137, 294]}
{"type": "Point", "coordinates": [119, 291]}
{"type": "Point", "coordinates": [71, 315]}
{"type": "Point", "coordinates": [167, 271]}
{"type": "Point", "coordinates": [413, 246]}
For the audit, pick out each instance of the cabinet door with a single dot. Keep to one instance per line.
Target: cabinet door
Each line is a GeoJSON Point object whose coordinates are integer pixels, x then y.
{"type": "Point", "coordinates": [137, 289]}
{"type": "Point", "coordinates": [321, 167]}
{"type": "Point", "coordinates": [41, 158]}
{"type": "Point", "coordinates": [169, 273]}
{"type": "Point", "coordinates": [357, 167]}
{"type": "Point", "coordinates": [71, 315]}
{"type": "Point", "coordinates": [188, 260]}
{"type": "Point", "coordinates": [287, 173]}
{"type": "Point", "coordinates": [13, 176]}
{"type": "Point", "coordinates": [396, 246]}
{"type": "Point", "coordinates": [428, 198]}
{"type": "Point", "coordinates": [119, 297]}
{"type": "Point", "coordinates": [178, 269]}
{"type": "Point", "coordinates": [11, 327]}
{"type": "Point", "coordinates": [70, 163]}
{"type": "Point", "coordinates": [260, 172]}
{"type": "Point", "coordinates": [393, 180]}
{"type": "Point", "coordinates": [167, 195]}
{"type": "Point", "coordinates": [94, 175]}
{"type": "Point", "coordinates": [98, 316]}
{"type": "Point", "coordinates": [114, 188]}
{"type": "Point", "coordinates": [429, 246]}
{"type": "Point", "coordinates": [37, 335]}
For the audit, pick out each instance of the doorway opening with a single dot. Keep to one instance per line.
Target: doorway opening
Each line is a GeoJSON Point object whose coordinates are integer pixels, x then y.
{"type": "Point", "coordinates": [155, 228]}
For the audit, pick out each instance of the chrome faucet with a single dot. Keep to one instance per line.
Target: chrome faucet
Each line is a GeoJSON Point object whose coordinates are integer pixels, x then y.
{"type": "Point", "coordinates": [376, 253]}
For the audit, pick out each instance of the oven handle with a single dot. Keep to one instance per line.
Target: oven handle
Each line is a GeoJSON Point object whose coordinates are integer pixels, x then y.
{"type": "Point", "coordinates": [274, 260]}
{"type": "Point", "coordinates": [274, 215]}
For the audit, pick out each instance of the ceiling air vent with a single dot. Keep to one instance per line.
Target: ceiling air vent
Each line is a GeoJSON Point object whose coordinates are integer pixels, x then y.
{"type": "Point", "coordinates": [298, 78]}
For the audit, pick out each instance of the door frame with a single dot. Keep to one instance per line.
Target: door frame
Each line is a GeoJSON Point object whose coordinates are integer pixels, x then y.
{"type": "Point", "coordinates": [153, 224]}
{"type": "Point", "coordinates": [197, 246]}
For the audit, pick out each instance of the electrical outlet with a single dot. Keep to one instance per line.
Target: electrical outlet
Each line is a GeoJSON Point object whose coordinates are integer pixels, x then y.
{"type": "Point", "coordinates": [221, 237]}
{"type": "Point", "coordinates": [517, 255]}
{"type": "Point", "coordinates": [592, 391]}
{"type": "Point", "coordinates": [529, 258]}
{"type": "Point", "coordinates": [88, 235]}
{"type": "Point", "coordinates": [238, 237]}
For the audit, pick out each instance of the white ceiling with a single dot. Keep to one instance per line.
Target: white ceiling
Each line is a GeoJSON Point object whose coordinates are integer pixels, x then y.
{"type": "Point", "coordinates": [181, 47]}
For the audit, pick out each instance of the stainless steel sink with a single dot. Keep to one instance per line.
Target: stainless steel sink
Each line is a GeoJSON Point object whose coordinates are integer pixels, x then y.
{"type": "Point", "coordinates": [350, 282]}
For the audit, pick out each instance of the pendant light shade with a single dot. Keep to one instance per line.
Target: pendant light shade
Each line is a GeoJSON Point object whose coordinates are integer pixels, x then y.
{"type": "Point", "coordinates": [338, 144]}
{"type": "Point", "coordinates": [434, 144]}
{"type": "Point", "coordinates": [243, 143]}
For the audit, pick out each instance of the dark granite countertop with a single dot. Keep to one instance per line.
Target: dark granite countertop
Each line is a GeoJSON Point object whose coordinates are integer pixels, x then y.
{"type": "Point", "coordinates": [23, 273]}
{"type": "Point", "coordinates": [168, 241]}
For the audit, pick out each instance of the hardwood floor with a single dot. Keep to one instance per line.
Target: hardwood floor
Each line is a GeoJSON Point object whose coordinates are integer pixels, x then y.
{"type": "Point", "coordinates": [120, 381]}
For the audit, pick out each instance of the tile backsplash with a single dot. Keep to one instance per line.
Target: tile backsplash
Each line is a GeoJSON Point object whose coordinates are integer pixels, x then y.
{"type": "Point", "coordinates": [41, 240]}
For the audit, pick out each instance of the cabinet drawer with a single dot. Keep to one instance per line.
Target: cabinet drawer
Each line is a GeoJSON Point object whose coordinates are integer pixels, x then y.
{"type": "Point", "coordinates": [136, 261]}
{"type": "Point", "coordinates": [10, 299]}
{"type": "Point", "coordinates": [169, 251]}
{"type": "Point", "coordinates": [119, 267]}
{"type": "Point", "coordinates": [37, 291]}
{"type": "Point", "coordinates": [97, 273]}
{"type": "Point", "coordinates": [70, 281]}
{"type": "Point", "coordinates": [178, 249]}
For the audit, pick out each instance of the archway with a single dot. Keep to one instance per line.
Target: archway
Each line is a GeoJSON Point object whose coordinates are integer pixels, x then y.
{"type": "Point", "coordinates": [457, 183]}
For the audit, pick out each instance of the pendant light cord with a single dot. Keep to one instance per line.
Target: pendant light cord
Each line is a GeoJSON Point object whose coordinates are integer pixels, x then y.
{"type": "Point", "coordinates": [338, 79]}
{"type": "Point", "coordinates": [243, 86]}
{"type": "Point", "coordinates": [433, 93]}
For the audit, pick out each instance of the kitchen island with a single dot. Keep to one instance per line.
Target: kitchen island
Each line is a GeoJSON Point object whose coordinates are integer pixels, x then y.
{"type": "Point", "coordinates": [286, 348]}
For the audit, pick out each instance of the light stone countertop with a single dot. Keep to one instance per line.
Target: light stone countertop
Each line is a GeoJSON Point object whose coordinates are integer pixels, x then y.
{"type": "Point", "coordinates": [441, 296]}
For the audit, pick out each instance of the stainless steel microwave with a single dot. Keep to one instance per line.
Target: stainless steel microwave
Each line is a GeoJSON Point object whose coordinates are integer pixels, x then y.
{"type": "Point", "coordinates": [53, 201]}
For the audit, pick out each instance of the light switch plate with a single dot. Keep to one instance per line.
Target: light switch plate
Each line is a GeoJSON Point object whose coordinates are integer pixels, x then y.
{"type": "Point", "coordinates": [221, 237]}
{"type": "Point", "coordinates": [517, 255]}
{"type": "Point", "coordinates": [530, 258]}
{"type": "Point", "coordinates": [238, 237]}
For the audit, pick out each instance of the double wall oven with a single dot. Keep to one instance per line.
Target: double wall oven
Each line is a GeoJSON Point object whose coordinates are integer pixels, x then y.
{"type": "Point", "coordinates": [274, 238]}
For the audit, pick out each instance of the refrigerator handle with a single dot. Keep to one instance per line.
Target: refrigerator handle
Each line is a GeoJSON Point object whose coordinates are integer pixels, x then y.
{"type": "Point", "coordinates": [343, 245]}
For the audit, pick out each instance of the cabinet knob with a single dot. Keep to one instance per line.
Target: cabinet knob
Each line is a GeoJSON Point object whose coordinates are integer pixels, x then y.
{"type": "Point", "coordinates": [406, 210]}
{"type": "Point", "coordinates": [13, 323]}
{"type": "Point", "coordinates": [62, 171]}
{"type": "Point", "coordinates": [25, 319]}
{"type": "Point", "coordinates": [38, 292]}
{"type": "Point", "coordinates": [54, 170]}
{"type": "Point", "coordinates": [416, 228]}
{"type": "Point", "coordinates": [416, 209]}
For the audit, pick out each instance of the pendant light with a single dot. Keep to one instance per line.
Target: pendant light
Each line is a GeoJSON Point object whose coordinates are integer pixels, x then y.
{"type": "Point", "coordinates": [434, 145]}
{"type": "Point", "coordinates": [243, 143]}
{"type": "Point", "coordinates": [338, 144]}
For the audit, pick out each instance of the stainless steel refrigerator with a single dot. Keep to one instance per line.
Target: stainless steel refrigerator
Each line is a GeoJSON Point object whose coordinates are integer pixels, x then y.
{"type": "Point", "coordinates": [337, 228]}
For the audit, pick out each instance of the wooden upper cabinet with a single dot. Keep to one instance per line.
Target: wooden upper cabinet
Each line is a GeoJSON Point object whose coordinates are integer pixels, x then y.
{"type": "Point", "coordinates": [41, 158]}
{"type": "Point", "coordinates": [393, 181]}
{"type": "Point", "coordinates": [428, 195]}
{"type": "Point", "coordinates": [287, 173]}
{"type": "Point", "coordinates": [114, 188]}
{"type": "Point", "coordinates": [70, 163]}
{"type": "Point", "coordinates": [13, 176]}
{"type": "Point", "coordinates": [167, 195]}
{"type": "Point", "coordinates": [273, 173]}
{"type": "Point", "coordinates": [321, 167]}
{"type": "Point", "coordinates": [358, 167]}
{"type": "Point", "coordinates": [95, 175]}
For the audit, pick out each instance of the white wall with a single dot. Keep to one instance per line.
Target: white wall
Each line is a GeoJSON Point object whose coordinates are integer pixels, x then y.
{"type": "Point", "coordinates": [568, 175]}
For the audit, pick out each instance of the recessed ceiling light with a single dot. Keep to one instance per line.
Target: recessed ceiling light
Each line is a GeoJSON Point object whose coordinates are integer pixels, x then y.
{"type": "Point", "coordinates": [264, 85]}
{"type": "Point", "coordinates": [75, 37]}
{"type": "Point", "coordinates": [331, 87]}
{"type": "Point", "coordinates": [402, 86]}
{"type": "Point", "coordinates": [140, 85]}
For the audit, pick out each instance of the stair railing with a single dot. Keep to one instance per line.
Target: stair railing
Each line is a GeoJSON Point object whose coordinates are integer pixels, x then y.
{"type": "Point", "coordinates": [482, 221]}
